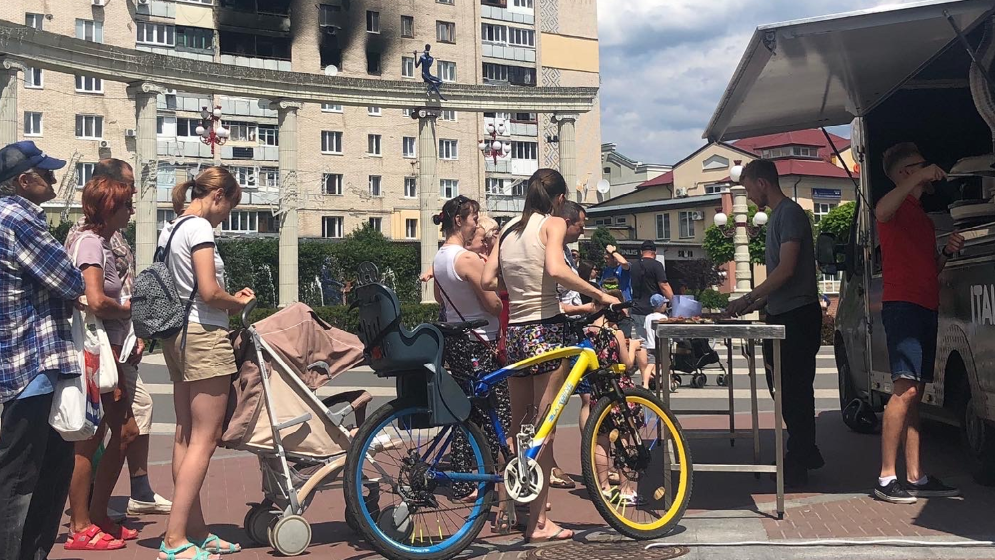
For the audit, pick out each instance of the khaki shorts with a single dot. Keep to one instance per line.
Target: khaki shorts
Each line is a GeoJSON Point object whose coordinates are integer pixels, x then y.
{"type": "Point", "coordinates": [141, 401]}
{"type": "Point", "coordinates": [208, 354]}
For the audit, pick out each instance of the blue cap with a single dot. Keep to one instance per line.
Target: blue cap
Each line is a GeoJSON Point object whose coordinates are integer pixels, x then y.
{"type": "Point", "coordinates": [19, 157]}
{"type": "Point", "coordinates": [657, 301]}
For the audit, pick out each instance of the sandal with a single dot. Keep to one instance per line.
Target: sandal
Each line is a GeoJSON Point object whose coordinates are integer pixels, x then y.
{"type": "Point", "coordinates": [557, 536]}
{"type": "Point", "coordinates": [561, 480]}
{"type": "Point", "coordinates": [118, 531]}
{"type": "Point", "coordinates": [212, 544]}
{"type": "Point", "coordinates": [171, 553]}
{"type": "Point", "coordinates": [92, 538]}
{"type": "Point", "coordinates": [616, 496]}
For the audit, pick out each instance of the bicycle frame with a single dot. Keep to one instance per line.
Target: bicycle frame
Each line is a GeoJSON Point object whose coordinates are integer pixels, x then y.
{"type": "Point", "coordinates": [586, 361]}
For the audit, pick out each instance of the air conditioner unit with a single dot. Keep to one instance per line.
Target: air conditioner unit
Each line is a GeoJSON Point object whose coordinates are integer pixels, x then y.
{"type": "Point", "coordinates": [104, 144]}
{"type": "Point", "coordinates": [130, 133]}
{"type": "Point", "coordinates": [681, 193]}
{"type": "Point", "coordinates": [697, 216]}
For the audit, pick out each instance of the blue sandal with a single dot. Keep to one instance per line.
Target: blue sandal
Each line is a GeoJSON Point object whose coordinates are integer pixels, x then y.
{"type": "Point", "coordinates": [171, 553]}
{"type": "Point", "coordinates": [215, 548]}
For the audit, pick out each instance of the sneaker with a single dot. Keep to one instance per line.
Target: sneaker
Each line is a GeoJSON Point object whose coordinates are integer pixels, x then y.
{"type": "Point", "coordinates": [160, 505]}
{"type": "Point", "coordinates": [932, 489]}
{"type": "Point", "coordinates": [895, 493]}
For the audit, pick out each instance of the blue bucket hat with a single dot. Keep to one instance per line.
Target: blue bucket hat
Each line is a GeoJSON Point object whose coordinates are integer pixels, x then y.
{"type": "Point", "coordinates": [19, 157]}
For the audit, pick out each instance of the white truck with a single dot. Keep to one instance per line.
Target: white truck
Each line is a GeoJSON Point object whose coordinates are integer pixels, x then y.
{"type": "Point", "coordinates": [917, 72]}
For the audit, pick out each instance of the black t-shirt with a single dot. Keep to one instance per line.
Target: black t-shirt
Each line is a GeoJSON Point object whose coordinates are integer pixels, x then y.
{"type": "Point", "coordinates": [646, 277]}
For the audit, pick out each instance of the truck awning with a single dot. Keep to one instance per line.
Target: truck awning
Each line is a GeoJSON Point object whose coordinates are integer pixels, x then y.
{"type": "Point", "coordinates": [825, 71]}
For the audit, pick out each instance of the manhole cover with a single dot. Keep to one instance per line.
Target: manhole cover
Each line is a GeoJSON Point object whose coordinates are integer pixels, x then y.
{"type": "Point", "coordinates": [621, 550]}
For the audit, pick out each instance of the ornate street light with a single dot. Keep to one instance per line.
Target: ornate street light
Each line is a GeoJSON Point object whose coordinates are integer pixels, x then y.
{"type": "Point", "coordinates": [492, 147]}
{"type": "Point", "coordinates": [211, 131]}
{"type": "Point", "coordinates": [742, 233]}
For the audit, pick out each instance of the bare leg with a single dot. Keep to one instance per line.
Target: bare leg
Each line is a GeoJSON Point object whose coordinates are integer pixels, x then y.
{"type": "Point", "coordinates": [539, 526]}
{"type": "Point", "coordinates": [895, 422]}
{"type": "Point", "coordinates": [79, 487]}
{"type": "Point", "coordinates": [123, 429]}
{"type": "Point", "coordinates": [585, 410]}
{"type": "Point", "coordinates": [913, 470]}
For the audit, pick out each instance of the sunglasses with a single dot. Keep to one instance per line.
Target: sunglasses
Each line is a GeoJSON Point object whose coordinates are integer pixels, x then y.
{"type": "Point", "coordinates": [46, 175]}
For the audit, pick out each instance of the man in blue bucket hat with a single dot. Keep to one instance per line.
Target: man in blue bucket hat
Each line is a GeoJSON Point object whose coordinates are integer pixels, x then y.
{"type": "Point", "coordinates": [38, 285]}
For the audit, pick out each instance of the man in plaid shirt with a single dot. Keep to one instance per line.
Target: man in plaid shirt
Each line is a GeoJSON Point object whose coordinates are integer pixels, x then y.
{"type": "Point", "coordinates": [38, 287]}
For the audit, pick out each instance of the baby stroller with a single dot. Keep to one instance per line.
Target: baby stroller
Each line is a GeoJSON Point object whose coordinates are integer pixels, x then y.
{"type": "Point", "coordinates": [692, 355]}
{"type": "Point", "coordinates": [275, 413]}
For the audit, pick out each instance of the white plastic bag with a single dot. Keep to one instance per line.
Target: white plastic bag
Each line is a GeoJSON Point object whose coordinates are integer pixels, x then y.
{"type": "Point", "coordinates": [100, 358]}
{"type": "Point", "coordinates": [76, 409]}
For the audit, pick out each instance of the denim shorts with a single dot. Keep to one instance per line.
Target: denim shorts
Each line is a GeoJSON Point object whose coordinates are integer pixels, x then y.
{"type": "Point", "coordinates": [911, 332]}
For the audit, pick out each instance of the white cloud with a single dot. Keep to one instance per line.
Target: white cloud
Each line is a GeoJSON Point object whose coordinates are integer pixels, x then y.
{"type": "Point", "coordinates": [665, 64]}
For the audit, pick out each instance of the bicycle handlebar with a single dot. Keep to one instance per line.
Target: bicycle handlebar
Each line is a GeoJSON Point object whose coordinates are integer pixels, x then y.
{"type": "Point", "coordinates": [592, 317]}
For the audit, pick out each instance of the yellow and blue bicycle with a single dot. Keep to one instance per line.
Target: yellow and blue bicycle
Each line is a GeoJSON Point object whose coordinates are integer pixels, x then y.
{"type": "Point", "coordinates": [400, 478]}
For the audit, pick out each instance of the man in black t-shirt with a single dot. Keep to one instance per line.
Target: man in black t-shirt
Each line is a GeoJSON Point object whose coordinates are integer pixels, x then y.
{"type": "Point", "coordinates": [649, 277]}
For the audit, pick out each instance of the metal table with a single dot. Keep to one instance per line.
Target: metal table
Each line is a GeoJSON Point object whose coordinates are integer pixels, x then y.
{"type": "Point", "coordinates": [750, 333]}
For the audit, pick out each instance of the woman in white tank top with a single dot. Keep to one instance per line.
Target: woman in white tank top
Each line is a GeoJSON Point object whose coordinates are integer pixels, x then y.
{"type": "Point", "coordinates": [528, 259]}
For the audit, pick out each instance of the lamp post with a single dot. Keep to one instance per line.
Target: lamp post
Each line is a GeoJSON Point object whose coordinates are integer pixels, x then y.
{"type": "Point", "coordinates": [211, 131]}
{"type": "Point", "coordinates": [742, 233]}
{"type": "Point", "coordinates": [492, 147]}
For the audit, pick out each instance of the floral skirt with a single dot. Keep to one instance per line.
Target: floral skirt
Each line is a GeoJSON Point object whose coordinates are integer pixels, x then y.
{"type": "Point", "coordinates": [527, 341]}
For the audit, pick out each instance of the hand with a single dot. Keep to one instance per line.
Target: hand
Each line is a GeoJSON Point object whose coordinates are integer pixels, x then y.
{"type": "Point", "coordinates": [605, 300]}
{"type": "Point", "coordinates": [609, 249]}
{"type": "Point", "coordinates": [137, 352]}
{"type": "Point", "coordinates": [955, 243]}
{"type": "Point", "coordinates": [426, 277]}
{"type": "Point", "coordinates": [930, 174]}
{"type": "Point", "coordinates": [246, 292]}
{"type": "Point", "coordinates": [738, 306]}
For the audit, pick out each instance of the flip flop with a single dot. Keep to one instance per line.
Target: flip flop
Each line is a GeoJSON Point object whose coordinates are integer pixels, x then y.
{"type": "Point", "coordinates": [559, 479]}
{"type": "Point", "coordinates": [215, 548]}
{"type": "Point", "coordinates": [557, 536]}
{"type": "Point", "coordinates": [92, 538]}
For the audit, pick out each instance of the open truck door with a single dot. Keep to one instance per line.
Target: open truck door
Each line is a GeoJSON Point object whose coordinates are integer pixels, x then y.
{"type": "Point", "coordinates": [898, 73]}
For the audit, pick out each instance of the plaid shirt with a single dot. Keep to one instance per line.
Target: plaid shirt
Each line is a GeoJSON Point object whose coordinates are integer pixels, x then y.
{"type": "Point", "coordinates": [38, 284]}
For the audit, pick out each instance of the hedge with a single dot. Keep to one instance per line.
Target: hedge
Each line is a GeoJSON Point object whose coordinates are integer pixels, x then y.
{"type": "Point", "coordinates": [340, 316]}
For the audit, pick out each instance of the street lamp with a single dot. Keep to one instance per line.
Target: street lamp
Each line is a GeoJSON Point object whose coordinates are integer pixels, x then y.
{"type": "Point", "coordinates": [211, 131]}
{"type": "Point", "coordinates": [492, 146]}
{"type": "Point", "coordinates": [742, 233]}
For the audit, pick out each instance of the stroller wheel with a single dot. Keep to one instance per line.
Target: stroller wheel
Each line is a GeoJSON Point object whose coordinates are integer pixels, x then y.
{"type": "Point", "coordinates": [257, 522]}
{"type": "Point", "coordinates": [677, 379]}
{"type": "Point", "coordinates": [698, 380]}
{"type": "Point", "coordinates": [290, 535]}
{"type": "Point", "coordinates": [720, 380]}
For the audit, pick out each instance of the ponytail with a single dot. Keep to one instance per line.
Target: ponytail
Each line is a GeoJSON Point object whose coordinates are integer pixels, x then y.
{"type": "Point", "coordinates": [209, 180]}
{"type": "Point", "coordinates": [180, 196]}
{"type": "Point", "coordinates": [545, 186]}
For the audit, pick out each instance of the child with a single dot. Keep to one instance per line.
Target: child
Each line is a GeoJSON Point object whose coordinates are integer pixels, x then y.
{"type": "Point", "coordinates": [659, 305]}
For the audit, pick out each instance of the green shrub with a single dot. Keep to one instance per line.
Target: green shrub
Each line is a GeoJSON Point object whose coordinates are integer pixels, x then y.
{"type": "Point", "coordinates": [340, 316]}
{"type": "Point", "coordinates": [712, 299]}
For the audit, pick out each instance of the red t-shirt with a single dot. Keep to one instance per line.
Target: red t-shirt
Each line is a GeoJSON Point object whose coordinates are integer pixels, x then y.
{"type": "Point", "coordinates": [908, 254]}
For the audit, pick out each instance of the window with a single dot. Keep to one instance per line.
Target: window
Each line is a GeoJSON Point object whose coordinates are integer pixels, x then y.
{"type": "Point", "coordinates": [445, 31]}
{"type": "Point", "coordinates": [375, 183]}
{"type": "Point", "coordinates": [268, 178]}
{"type": "Point", "coordinates": [447, 71]}
{"type": "Point", "coordinates": [530, 118]}
{"type": "Point", "coordinates": [521, 37]}
{"type": "Point", "coordinates": [84, 172]}
{"type": "Point", "coordinates": [246, 176]}
{"type": "Point", "coordinates": [88, 84]}
{"type": "Point", "coordinates": [410, 187]}
{"type": "Point", "coordinates": [407, 27]}
{"type": "Point", "coordinates": [495, 72]}
{"type": "Point", "coordinates": [331, 226]}
{"type": "Point", "coordinates": [686, 220]}
{"type": "Point", "coordinates": [607, 171]}
{"type": "Point", "coordinates": [522, 4]}
{"type": "Point", "coordinates": [170, 99]}
{"type": "Point", "coordinates": [89, 127]}
{"type": "Point", "coordinates": [790, 151]}
{"type": "Point", "coordinates": [715, 188]}
{"type": "Point", "coordinates": [830, 283]}
{"type": "Point", "coordinates": [408, 147]}
{"type": "Point", "coordinates": [187, 128]}
{"type": "Point", "coordinates": [156, 34]}
{"type": "Point", "coordinates": [241, 131]}
{"type": "Point", "coordinates": [241, 221]}
{"type": "Point", "coordinates": [329, 108]}
{"type": "Point", "coordinates": [32, 124]}
{"type": "Point", "coordinates": [332, 183]}
{"type": "Point", "coordinates": [33, 79]}
{"type": "Point", "coordinates": [376, 224]}
{"type": "Point", "coordinates": [448, 115]}
{"type": "Point", "coordinates": [406, 112]}
{"type": "Point", "coordinates": [449, 149]}
{"type": "Point", "coordinates": [493, 33]}
{"type": "Point", "coordinates": [373, 145]}
{"type": "Point", "coordinates": [449, 188]}
{"type": "Point", "coordinates": [165, 126]}
{"type": "Point", "coordinates": [494, 186]}
{"type": "Point", "coordinates": [822, 209]}
{"type": "Point", "coordinates": [195, 38]}
{"type": "Point", "coordinates": [328, 15]}
{"type": "Point", "coordinates": [407, 67]}
{"type": "Point", "coordinates": [269, 135]}
{"type": "Point", "coordinates": [372, 22]}
{"type": "Point", "coordinates": [35, 20]}
{"type": "Point", "coordinates": [374, 111]}
{"type": "Point", "coordinates": [90, 30]}
{"type": "Point", "coordinates": [602, 221]}
{"type": "Point", "coordinates": [373, 63]}
{"type": "Point", "coordinates": [525, 150]}
{"type": "Point", "coordinates": [410, 228]}
{"type": "Point", "coordinates": [450, 2]}
{"type": "Point", "coordinates": [663, 226]}
{"type": "Point", "coordinates": [331, 142]}
{"type": "Point", "coordinates": [163, 216]}
{"type": "Point", "coordinates": [518, 189]}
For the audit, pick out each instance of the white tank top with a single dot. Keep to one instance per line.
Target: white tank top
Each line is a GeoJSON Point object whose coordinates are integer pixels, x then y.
{"type": "Point", "coordinates": [531, 290]}
{"type": "Point", "coordinates": [461, 294]}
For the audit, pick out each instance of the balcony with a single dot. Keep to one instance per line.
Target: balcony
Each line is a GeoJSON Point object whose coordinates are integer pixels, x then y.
{"type": "Point", "coordinates": [506, 52]}
{"type": "Point", "coordinates": [263, 17]}
{"type": "Point", "coordinates": [505, 203]}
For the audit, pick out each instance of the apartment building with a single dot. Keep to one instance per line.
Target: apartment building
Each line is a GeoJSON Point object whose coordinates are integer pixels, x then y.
{"type": "Point", "coordinates": [357, 165]}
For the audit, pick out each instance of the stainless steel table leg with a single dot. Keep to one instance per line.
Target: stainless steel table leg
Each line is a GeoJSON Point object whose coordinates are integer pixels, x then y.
{"type": "Point", "coordinates": [663, 392]}
{"type": "Point", "coordinates": [732, 403]}
{"type": "Point", "coordinates": [754, 405]}
{"type": "Point", "coordinates": [778, 430]}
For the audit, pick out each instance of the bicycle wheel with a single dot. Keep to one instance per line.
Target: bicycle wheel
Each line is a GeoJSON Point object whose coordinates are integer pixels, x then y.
{"type": "Point", "coordinates": [634, 499]}
{"type": "Point", "coordinates": [416, 514]}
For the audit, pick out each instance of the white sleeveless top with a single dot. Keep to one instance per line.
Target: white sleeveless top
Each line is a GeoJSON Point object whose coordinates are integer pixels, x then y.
{"type": "Point", "coordinates": [531, 290]}
{"type": "Point", "coordinates": [461, 294]}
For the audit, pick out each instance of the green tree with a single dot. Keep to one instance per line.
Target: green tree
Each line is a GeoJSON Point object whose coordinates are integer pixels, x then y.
{"type": "Point", "coordinates": [60, 231]}
{"type": "Point", "coordinates": [594, 250]}
{"type": "Point", "coordinates": [838, 221]}
{"type": "Point", "coordinates": [368, 244]}
{"type": "Point", "coordinates": [720, 249]}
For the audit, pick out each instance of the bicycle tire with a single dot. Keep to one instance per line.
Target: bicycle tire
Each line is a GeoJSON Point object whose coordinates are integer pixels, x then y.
{"type": "Point", "coordinates": [608, 512]}
{"type": "Point", "coordinates": [366, 526]}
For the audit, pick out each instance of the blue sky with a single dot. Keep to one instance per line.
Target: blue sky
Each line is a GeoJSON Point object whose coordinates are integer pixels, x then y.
{"type": "Point", "coordinates": [665, 64]}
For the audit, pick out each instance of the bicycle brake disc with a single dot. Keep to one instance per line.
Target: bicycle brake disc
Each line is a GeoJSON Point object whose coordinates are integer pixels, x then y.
{"type": "Point", "coordinates": [523, 493]}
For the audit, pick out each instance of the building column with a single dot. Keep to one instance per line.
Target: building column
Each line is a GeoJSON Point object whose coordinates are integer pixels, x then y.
{"type": "Point", "coordinates": [567, 134]}
{"type": "Point", "coordinates": [428, 194]}
{"type": "Point", "coordinates": [9, 86]}
{"type": "Point", "coordinates": [289, 201]}
{"type": "Point", "coordinates": [146, 170]}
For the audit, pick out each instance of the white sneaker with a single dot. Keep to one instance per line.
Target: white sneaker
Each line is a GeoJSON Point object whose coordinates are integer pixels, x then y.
{"type": "Point", "coordinates": [160, 505]}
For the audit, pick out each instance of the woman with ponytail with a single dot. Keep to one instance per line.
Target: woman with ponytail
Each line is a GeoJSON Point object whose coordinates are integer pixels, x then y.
{"type": "Point", "coordinates": [529, 261]}
{"type": "Point", "coordinates": [200, 358]}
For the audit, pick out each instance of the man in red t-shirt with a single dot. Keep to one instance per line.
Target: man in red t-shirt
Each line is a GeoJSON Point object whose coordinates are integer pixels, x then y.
{"type": "Point", "coordinates": [910, 302]}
